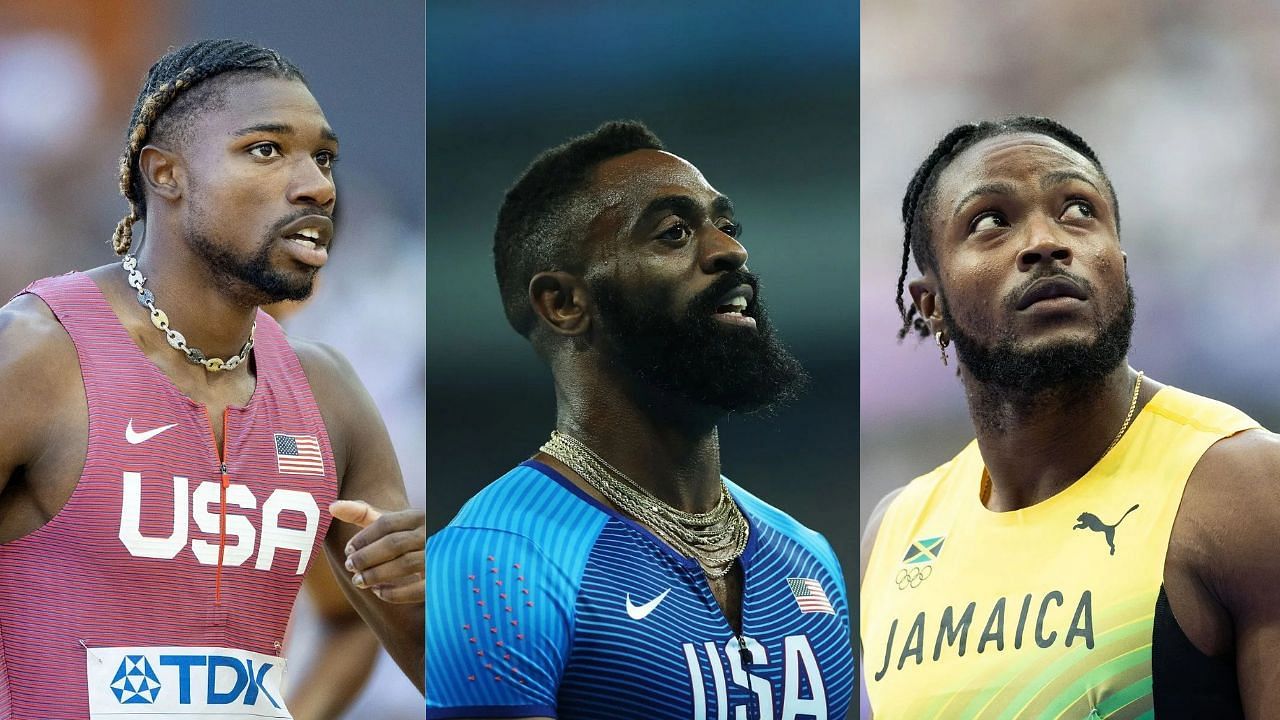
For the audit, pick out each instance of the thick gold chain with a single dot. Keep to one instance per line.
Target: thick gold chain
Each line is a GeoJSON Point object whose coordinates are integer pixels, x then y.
{"type": "Point", "coordinates": [715, 538]}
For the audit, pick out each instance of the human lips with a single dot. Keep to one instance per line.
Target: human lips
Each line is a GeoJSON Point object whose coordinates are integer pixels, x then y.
{"type": "Point", "coordinates": [309, 231]}
{"type": "Point", "coordinates": [1049, 288]}
{"type": "Point", "coordinates": [731, 307]}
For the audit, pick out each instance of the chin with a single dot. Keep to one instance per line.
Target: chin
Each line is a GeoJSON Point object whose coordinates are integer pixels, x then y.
{"type": "Point", "coordinates": [281, 286]}
{"type": "Point", "coordinates": [1058, 341]}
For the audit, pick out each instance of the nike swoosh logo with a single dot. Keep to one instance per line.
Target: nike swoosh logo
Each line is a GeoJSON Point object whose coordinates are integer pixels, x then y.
{"type": "Point", "coordinates": [640, 612]}
{"type": "Point", "coordinates": [140, 437]}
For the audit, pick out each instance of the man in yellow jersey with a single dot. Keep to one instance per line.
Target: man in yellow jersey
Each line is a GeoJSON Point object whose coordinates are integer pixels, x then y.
{"type": "Point", "coordinates": [1105, 548]}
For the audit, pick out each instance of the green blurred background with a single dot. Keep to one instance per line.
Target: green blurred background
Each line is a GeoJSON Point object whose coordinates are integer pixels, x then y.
{"type": "Point", "coordinates": [762, 97]}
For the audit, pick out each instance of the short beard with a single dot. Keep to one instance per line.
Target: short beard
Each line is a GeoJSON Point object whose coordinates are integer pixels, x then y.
{"type": "Point", "coordinates": [1051, 371]}
{"type": "Point", "coordinates": [249, 280]}
{"type": "Point", "coordinates": [694, 356]}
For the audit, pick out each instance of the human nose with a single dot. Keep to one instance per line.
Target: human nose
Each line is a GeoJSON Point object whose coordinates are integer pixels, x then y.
{"type": "Point", "coordinates": [722, 252]}
{"type": "Point", "coordinates": [312, 185]}
{"type": "Point", "coordinates": [1043, 246]}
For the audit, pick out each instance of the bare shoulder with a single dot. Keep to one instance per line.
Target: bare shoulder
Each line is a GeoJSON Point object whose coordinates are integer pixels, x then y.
{"type": "Point", "coordinates": [1240, 472]}
{"type": "Point", "coordinates": [327, 370]}
{"type": "Point", "coordinates": [349, 413]}
{"type": "Point", "coordinates": [39, 377]}
{"type": "Point", "coordinates": [334, 383]}
{"type": "Point", "coordinates": [1231, 507]}
{"type": "Point", "coordinates": [35, 350]}
{"type": "Point", "coordinates": [873, 526]}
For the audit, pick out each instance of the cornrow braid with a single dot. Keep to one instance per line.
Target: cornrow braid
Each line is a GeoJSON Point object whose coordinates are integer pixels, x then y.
{"type": "Point", "coordinates": [918, 200]}
{"type": "Point", "coordinates": [165, 107]}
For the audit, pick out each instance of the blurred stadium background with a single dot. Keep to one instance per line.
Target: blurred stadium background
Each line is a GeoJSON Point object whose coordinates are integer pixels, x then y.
{"type": "Point", "coordinates": [69, 74]}
{"type": "Point", "coordinates": [761, 97]}
{"type": "Point", "coordinates": [1179, 99]}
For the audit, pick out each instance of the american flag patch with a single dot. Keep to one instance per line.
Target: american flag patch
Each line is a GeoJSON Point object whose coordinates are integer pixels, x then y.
{"type": "Point", "coordinates": [298, 455]}
{"type": "Point", "coordinates": [810, 596]}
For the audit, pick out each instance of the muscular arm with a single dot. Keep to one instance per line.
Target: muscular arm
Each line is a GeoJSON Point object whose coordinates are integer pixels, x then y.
{"type": "Point", "coordinates": [1223, 573]}
{"type": "Point", "coordinates": [369, 471]}
{"type": "Point", "coordinates": [43, 425]}
{"type": "Point", "coordinates": [344, 659]}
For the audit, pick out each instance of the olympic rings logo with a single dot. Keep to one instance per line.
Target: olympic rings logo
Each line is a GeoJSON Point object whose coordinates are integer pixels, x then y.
{"type": "Point", "coordinates": [913, 576]}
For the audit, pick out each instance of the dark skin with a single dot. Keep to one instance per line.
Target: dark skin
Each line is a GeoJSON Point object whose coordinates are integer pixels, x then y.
{"type": "Point", "coordinates": [258, 178]}
{"type": "Point", "coordinates": [666, 444]}
{"type": "Point", "coordinates": [1040, 204]}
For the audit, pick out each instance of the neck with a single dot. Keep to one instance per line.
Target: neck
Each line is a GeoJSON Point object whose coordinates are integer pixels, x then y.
{"type": "Point", "coordinates": [211, 318]}
{"type": "Point", "coordinates": [663, 444]}
{"type": "Point", "coordinates": [1036, 445]}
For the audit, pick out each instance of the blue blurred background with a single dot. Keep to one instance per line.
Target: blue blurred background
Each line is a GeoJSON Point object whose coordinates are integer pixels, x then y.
{"type": "Point", "coordinates": [1179, 99]}
{"type": "Point", "coordinates": [761, 96]}
{"type": "Point", "coordinates": [69, 74]}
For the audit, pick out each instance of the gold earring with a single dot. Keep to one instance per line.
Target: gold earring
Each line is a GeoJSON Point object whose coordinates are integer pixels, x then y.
{"type": "Point", "coordinates": [942, 345]}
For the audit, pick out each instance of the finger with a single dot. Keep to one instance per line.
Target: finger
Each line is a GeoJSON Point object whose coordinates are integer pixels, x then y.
{"type": "Point", "coordinates": [356, 512]}
{"type": "Point", "coordinates": [411, 591]}
{"type": "Point", "coordinates": [409, 566]}
{"type": "Point", "coordinates": [387, 523]}
{"type": "Point", "coordinates": [384, 549]}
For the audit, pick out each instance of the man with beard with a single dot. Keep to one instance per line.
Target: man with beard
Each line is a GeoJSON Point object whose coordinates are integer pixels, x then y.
{"type": "Point", "coordinates": [159, 503]}
{"type": "Point", "coordinates": [1103, 548]}
{"type": "Point", "coordinates": [616, 573]}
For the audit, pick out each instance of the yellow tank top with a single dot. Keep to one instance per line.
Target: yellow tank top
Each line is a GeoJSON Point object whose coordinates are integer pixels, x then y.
{"type": "Point", "coordinates": [1043, 612]}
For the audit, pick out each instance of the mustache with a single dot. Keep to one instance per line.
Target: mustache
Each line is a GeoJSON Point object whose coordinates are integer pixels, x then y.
{"type": "Point", "coordinates": [1012, 297]}
{"type": "Point", "coordinates": [707, 299]}
{"type": "Point", "coordinates": [301, 213]}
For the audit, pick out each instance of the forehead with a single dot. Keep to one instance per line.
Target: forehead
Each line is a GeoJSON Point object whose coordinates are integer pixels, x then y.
{"type": "Point", "coordinates": [628, 182]}
{"type": "Point", "coordinates": [1015, 158]}
{"type": "Point", "coordinates": [253, 101]}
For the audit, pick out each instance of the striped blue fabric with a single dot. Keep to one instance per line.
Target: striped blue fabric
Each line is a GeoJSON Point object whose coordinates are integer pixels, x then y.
{"type": "Point", "coordinates": [622, 626]}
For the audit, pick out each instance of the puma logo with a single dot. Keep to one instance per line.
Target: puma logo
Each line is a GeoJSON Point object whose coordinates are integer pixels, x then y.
{"type": "Point", "coordinates": [1089, 521]}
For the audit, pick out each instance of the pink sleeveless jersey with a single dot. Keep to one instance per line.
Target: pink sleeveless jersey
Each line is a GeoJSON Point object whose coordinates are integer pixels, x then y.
{"type": "Point", "coordinates": [163, 587]}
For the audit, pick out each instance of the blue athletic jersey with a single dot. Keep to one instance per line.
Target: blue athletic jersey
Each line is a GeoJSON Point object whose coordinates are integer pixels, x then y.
{"type": "Point", "coordinates": [542, 601]}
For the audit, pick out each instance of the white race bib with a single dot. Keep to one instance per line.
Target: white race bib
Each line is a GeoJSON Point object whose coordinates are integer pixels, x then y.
{"type": "Point", "coordinates": [191, 683]}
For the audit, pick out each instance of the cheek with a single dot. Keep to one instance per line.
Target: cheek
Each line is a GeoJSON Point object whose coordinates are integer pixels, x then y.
{"type": "Point", "coordinates": [235, 188]}
{"type": "Point", "coordinates": [976, 286]}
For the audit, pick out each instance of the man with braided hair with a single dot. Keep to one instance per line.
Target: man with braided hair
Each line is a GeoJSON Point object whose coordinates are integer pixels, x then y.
{"type": "Point", "coordinates": [1103, 548]}
{"type": "Point", "coordinates": [170, 462]}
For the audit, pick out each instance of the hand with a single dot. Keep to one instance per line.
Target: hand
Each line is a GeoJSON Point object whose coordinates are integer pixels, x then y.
{"type": "Point", "coordinates": [388, 556]}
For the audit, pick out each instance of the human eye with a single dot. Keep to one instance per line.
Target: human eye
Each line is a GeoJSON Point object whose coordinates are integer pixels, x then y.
{"type": "Point", "coordinates": [1078, 210]}
{"type": "Point", "coordinates": [266, 150]}
{"type": "Point", "coordinates": [676, 233]}
{"type": "Point", "coordinates": [732, 229]}
{"type": "Point", "coordinates": [326, 159]}
{"type": "Point", "coordinates": [987, 221]}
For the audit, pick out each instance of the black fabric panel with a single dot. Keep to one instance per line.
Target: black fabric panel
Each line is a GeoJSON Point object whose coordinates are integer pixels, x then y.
{"type": "Point", "coordinates": [1186, 683]}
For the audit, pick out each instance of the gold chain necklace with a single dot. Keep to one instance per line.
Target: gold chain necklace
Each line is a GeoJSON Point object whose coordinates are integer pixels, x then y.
{"type": "Point", "coordinates": [984, 488]}
{"type": "Point", "coordinates": [1133, 406]}
{"type": "Point", "coordinates": [715, 538]}
{"type": "Point", "coordinates": [176, 340]}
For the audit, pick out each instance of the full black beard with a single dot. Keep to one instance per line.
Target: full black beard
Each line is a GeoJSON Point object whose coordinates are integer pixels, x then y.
{"type": "Point", "coordinates": [694, 356]}
{"type": "Point", "coordinates": [1051, 370]}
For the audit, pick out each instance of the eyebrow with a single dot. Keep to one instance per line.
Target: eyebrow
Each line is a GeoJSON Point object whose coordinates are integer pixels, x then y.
{"type": "Point", "coordinates": [326, 132]}
{"type": "Point", "coordinates": [1060, 176]}
{"type": "Point", "coordinates": [998, 188]}
{"type": "Point", "coordinates": [686, 206]}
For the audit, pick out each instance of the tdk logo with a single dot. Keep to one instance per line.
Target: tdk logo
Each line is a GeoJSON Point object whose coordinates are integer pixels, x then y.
{"type": "Point", "coordinates": [183, 682]}
{"type": "Point", "coordinates": [230, 679]}
{"type": "Point", "coordinates": [176, 682]}
{"type": "Point", "coordinates": [135, 682]}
